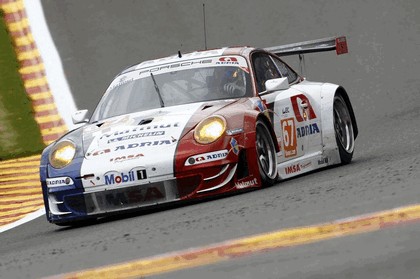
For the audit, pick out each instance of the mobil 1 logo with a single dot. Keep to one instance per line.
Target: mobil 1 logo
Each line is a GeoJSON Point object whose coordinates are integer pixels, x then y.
{"type": "Point", "coordinates": [116, 178]}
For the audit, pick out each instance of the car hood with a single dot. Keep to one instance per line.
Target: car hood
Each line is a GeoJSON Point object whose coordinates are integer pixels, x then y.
{"type": "Point", "coordinates": [163, 124]}
{"type": "Point", "coordinates": [146, 140]}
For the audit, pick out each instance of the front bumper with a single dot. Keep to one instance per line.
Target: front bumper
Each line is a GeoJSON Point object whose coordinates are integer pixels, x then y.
{"type": "Point", "coordinates": [69, 204]}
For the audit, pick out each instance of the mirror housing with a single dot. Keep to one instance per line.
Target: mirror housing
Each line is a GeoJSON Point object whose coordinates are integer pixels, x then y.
{"type": "Point", "coordinates": [276, 84]}
{"type": "Point", "coordinates": [80, 116]}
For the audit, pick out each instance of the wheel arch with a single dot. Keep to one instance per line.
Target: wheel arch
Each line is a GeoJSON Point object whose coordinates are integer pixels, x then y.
{"type": "Point", "coordinates": [343, 93]}
{"type": "Point", "coordinates": [269, 124]}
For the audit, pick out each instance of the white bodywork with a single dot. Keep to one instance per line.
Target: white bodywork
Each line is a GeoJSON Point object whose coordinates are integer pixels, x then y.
{"type": "Point", "coordinates": [118, 143]}
{"type": "Point", "coordinates": [304, 125]}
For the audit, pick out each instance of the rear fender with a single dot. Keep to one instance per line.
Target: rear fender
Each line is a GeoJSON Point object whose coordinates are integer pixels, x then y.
{"type": "Point", "coordinates": [330, 148]}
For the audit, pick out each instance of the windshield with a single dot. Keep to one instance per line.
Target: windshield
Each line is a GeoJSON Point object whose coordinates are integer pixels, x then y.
{"type": "Point", "coordinates": [205, 80]}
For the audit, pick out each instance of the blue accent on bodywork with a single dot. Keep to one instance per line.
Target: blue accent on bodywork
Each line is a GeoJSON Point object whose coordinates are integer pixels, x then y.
{"type": "Point", "coordinates": [72, 171]}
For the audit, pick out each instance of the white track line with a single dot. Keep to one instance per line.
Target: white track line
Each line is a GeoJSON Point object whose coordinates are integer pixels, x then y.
{"type": "Point", "coordinates": [24, 220]}
{"type": "Point", "coordinates": [52, 62]}
{"type": "Point", "coordinates": [56, 80]}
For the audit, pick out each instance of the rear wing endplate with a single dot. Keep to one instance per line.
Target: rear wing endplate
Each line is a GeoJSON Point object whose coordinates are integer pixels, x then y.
{"type": "Point", "coordinates": [339, 44]}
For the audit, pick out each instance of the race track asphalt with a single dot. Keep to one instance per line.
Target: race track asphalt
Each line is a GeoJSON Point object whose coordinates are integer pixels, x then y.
{"type": "Point", "coordinates": [98, 38]}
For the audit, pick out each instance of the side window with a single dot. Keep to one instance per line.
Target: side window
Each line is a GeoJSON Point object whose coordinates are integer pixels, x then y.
{"type": "Point", "coordinates": [264, 70]}
{"type": "Point", "coordinates": [285, 70]}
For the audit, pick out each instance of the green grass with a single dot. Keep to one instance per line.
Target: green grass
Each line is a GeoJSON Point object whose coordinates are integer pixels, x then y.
{"type": "Point", "coordinates": [19, 133]}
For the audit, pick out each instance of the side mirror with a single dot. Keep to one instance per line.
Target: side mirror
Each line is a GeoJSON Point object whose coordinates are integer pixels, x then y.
{"type": "Point", "coordinates": [276, 84]}
{"type": "Point", "coordinates": [80, 116]}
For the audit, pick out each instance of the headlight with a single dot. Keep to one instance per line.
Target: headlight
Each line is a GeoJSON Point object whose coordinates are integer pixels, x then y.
{"type": "Point", "coordinates": [62, 154]}
{"type": "Point", "coordinates": [210, 129]}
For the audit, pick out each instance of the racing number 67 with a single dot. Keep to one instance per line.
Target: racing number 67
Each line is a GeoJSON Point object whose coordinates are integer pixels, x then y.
{"type": "Point", "coordinates": [289, 137]}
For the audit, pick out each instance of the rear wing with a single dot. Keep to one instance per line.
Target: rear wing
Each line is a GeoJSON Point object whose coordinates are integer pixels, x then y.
{"type": "Point", "coordinates": [339, 44]}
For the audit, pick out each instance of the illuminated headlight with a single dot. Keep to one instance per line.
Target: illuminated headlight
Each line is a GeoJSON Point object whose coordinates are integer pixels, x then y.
{"type": "Point", "coordinates": [62, 154]}
{"type": "Point", "coordinates": [210, 129]}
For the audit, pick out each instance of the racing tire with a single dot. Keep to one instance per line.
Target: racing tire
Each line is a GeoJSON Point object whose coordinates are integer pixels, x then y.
{"type": "Point", "coordinates": [343, 127]}
{"type": "Point", "coordinates": [266, 154]}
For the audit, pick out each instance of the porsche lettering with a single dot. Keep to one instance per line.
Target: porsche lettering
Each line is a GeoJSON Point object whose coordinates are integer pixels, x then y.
{"type": "Point", "coordinates": [176, 65]}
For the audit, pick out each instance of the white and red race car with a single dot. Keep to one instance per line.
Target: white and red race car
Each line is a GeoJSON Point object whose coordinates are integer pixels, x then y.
{"type": "Point", "coordinates": [195, 125]}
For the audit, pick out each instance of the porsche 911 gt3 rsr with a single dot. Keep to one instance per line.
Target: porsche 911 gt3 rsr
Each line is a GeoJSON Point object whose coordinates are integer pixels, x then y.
{"type": "Point", "coordinates": [196, 125]}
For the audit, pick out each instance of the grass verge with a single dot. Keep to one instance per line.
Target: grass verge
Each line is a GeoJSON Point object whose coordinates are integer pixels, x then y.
{"type": "Point", "coordinates": [19, 133]}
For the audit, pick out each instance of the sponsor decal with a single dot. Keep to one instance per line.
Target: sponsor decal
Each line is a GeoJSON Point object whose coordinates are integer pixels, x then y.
{"type": "Point", "coordinates": [98, 152]}
{"type": "Point", "coordinates": [206, 157]}
{"type": "Point", "coordinates": [123, 80]}
{"type": "Point", "coordinates": [227, 61]}
{"type": "Point", "coordinates": [126, 158]}
{"type": "Point", "coordinates": [143, 144]}
{"type": "Point", "coordinates": [245, 184]}
{"type": "Point", "coordinates": [307, 130]}
{"type": "Point", "coordinates": [306, 165]}
{"type": "Point", "coordinates": [292, 169]}
{"type": "Point", "coordinates": [136, 136]}
{"type": "Point", "coordinates": [234, 131]}
{"type": "Point", "coordinates": [135, 196]}
{"type": "Point", "coordinates": [176, 66]}
{"type": "Point", "coordinates": [285, 110]}
{"type": "Point", "coordinates": [59, 181]}
{"type": "Point", "coordinates": [234, 145]}
{"type": "Point", "coordinates": [191, 54]}
{"type": "Point", "coordinates": [289, 137]}
{"type": "Point", "coordinates": [323, 161]}
{"type": "Point", "coordinates": [297, 167]}
{"type": "Point", "coordinates": [112, 178]}
{"type": "Point", "coordinates": [139, 129]}
{"type": "Point", "coordinates": [260, 105]}
{"type": "Point", "coordinates": [307, 113]}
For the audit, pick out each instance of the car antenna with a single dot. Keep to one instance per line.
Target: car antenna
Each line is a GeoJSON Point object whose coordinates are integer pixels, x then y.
{"type": "Point", "coordinates": [205, 31]}
{"type": "Point", "coordinates": [179, 54]}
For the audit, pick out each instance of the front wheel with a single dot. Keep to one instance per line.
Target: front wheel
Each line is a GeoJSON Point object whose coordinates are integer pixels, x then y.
{"type": "Point", "coordinates": [266, 154]}
{"type": "Point", "coordinates": [343, 127]}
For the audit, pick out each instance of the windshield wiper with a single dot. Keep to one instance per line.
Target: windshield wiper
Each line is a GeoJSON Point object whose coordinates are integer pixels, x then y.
{"type": "Point", "coordinates": [162, 104]}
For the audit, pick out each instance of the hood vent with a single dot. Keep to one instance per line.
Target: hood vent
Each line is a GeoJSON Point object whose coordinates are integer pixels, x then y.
{"type": "Point", "coordinates": [146, 121]}
{"type": "Point", "coordinates": [207, 106]}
